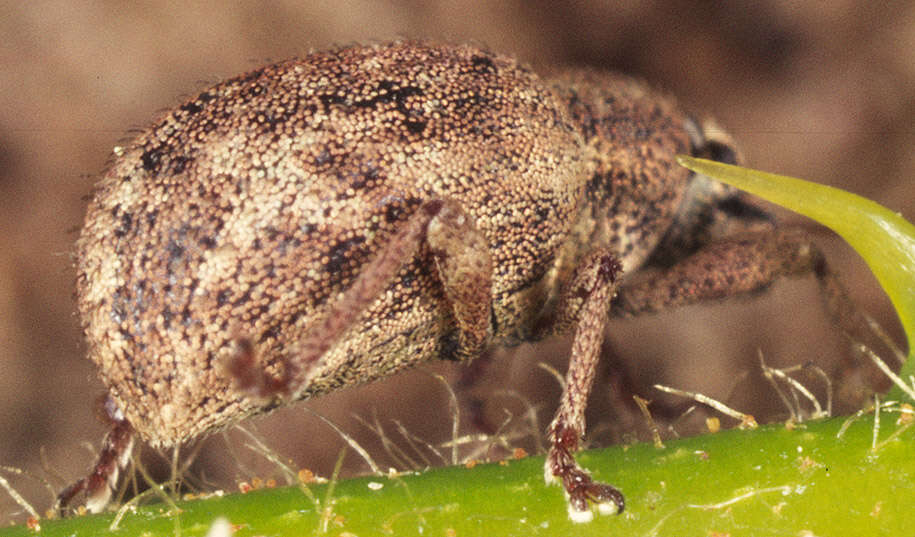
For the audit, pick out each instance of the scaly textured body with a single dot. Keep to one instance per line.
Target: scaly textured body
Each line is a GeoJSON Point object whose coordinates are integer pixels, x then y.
{"type": "Point", "coordinates": [246, 210]}
{"type": "Point", "coordinates": [330, 220]}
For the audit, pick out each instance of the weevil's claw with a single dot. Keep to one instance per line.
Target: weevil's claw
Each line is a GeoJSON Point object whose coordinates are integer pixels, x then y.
{"type": "Point", "coordinates": [582, 492]}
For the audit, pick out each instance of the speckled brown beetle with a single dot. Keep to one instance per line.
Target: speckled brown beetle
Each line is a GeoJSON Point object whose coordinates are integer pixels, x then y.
{"type": "Point", "coordinates": [330, 220]}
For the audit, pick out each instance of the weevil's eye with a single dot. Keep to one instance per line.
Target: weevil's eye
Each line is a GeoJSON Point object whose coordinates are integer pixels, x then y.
{"type": "Point", "coordinates": [710, 141]}
{"type": "Point", "coordinates": [721, 152]}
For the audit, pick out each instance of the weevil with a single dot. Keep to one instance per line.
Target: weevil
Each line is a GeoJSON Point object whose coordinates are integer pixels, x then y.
{"type": "Point", "coordinates": [333, 219]}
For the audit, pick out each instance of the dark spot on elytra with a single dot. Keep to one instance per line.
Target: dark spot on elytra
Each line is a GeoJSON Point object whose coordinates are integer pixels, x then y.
{"type": "Point", "coordinates": [415, 126]}
{"type": "Point", "coordinates": [323, 158]}
{"type": "Point", "coordinates": [483, 64]}
{"type": "Point", "coordinates": [195, 283]}
{"type": "Point", "coordinates": [179, 163]}
{"type": "Point", "coordinates": [406, 281]}
{"type": "Point", "coordinates": [331, 99]}
{"type": "Point", "coordinates": [339, 252]}
{"type": "Point", "coordinates": [473, 101]}
{"type": "Point", "coordinates": [390, 93]}
{"type": "Point", "coordinates": [125, 226]}
{"type": "Point", "coordinates": [245, 297]}
{"type": "Point", "coordinates": [126, 334]}
{"type": "Point", "coordinates": [207, 242]}
{"type": "Point", "coordinates": [253, 90]}
{"type": "Point", "coordinates": [222, 297]}
{"type": "Point", "coordinates": [543, 214]}
{"type": "Point", "coordinates": [270, 333]}
{"type": "Point", "coordinates": [600, 186]}
{"type": "Point", "coordinates": [175, 250]}
{"type": "Point", "coordinates": [393, 213]}
{"type": "Point", "coordinates": [208, 126]}
{"type": "Point", "coordinates": [151, 159]}
{"type": "Point", "coordinates": [191, 107]}
{"type": "Point", "coordinates": [167, 318]}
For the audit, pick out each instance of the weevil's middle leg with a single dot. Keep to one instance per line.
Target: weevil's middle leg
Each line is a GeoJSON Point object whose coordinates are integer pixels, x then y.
{"type": "Point", "coordinates": [464, 268]}
{"type": "Point", "coordinates": [588, 296]}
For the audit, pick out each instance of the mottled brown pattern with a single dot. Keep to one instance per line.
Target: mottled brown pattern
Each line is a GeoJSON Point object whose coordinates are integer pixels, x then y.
{"type": "Point", "coordinates": [241, 213]}
{"type": "Point", "coordinates": [326, 221]}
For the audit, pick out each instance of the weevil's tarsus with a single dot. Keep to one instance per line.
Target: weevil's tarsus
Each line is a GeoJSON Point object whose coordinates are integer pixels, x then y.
{"type": "Point", "coordinates": [99, 485]}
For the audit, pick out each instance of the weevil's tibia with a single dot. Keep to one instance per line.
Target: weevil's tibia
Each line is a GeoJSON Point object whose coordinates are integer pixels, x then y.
{"type": "Point", "coordinates": [588, 296]}
{"type": "Point", "coordinates": [462, 258]}
{"type": "Point", "coordinates": [98, 486]}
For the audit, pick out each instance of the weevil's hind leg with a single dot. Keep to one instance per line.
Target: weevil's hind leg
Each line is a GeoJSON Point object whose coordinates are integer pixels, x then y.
{"type": "Point", "coordinates": [586, 299]}
{"type": "Point", "coordinates": [464, 267]}
{"type": "Point", "coordinates": [98, 486]}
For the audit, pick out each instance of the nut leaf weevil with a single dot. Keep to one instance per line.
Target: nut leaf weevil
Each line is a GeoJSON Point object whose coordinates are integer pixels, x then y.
{"type": "Point", "coordinates": [333, 219]}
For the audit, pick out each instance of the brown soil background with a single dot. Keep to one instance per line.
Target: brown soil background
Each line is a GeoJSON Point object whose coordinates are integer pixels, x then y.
{"type": "Point", "coordinates": [824, 91]}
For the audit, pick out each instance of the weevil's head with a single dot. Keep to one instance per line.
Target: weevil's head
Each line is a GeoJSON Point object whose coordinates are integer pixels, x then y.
{"type": "Point", "coordinates": [710, 209]}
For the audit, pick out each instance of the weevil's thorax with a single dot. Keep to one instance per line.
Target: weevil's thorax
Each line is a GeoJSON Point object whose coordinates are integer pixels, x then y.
{"type": "Point", "coordinates": [634, 185]}
{"type": "Point", "coordinates": [248, 210]}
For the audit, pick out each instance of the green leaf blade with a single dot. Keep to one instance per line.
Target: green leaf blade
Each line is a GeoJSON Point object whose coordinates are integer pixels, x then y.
{"type": "Point", "coordinates": [883, 238]}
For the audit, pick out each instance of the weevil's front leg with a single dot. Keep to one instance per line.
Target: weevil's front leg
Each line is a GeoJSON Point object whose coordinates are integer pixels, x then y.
{"type": "Point", "coordinates": [114, 455]}
{"type": "Point", "coordinates": [464, 267]}
{"type": "Point", "coordinates": [739, 265]}
{"type": "Point", "coordinates": [588, 296]}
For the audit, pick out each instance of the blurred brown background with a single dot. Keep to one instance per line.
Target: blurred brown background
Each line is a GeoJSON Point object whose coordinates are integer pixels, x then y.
{"type": "Point", "coordinates": [819, 90]}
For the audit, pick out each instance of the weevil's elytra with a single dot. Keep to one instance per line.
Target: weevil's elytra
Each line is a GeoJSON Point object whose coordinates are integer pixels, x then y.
{"type": "Point", "coordinates": [332, 219]}
{"type": "Point", "coordinates": [247, 209]}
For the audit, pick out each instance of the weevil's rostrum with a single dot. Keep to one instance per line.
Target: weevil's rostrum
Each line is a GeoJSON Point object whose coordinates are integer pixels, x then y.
{"type": "Point", "coordinates": [430, 200]}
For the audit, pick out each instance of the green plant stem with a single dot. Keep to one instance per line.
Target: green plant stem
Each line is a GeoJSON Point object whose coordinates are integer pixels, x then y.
{"type": "Point", "coordinates": [770, 481]}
